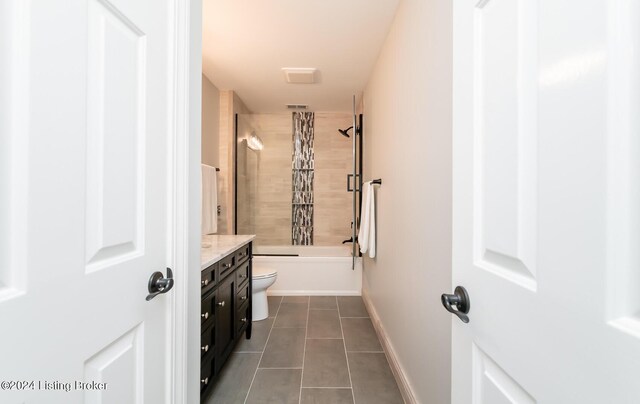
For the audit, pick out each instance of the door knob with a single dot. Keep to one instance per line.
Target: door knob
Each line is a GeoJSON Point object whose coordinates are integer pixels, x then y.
{"type": "Point", "coordinates": [159, 284]}
{"type": "Point", "coordinates": [459, 299]}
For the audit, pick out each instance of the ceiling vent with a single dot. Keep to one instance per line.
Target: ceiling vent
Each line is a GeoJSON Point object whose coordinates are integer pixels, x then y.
{"type": "Point", "coordinates": [297, 106]}
{"type": "Point", "coordinates": [299, 75]}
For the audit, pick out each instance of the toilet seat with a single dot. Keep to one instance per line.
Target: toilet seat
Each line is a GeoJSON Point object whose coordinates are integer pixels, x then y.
{"type": "Point", "coordinates": [263, 273]}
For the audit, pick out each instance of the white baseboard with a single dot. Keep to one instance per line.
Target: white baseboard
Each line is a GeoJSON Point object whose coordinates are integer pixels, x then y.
{"type": "Point", "coordinates": [396, 368]}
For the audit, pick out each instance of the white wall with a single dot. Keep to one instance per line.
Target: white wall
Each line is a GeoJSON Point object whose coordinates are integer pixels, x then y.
{"type": "Point", "coordinates": [407, 110]}
{"type": "Point", "coordinates": [210, 123]}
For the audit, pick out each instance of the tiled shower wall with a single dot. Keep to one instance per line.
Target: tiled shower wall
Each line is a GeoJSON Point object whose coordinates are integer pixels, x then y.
{"type": "Point", "coordinates": [268, 211]}
{"type": "Point", "coordinates": [302, 168]}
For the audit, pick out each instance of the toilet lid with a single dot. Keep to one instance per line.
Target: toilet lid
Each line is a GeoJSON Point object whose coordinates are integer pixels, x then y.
{"type": "Point", "coordinates": [262, 272]}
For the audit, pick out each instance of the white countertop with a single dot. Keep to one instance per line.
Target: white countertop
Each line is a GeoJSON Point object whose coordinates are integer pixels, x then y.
{"type": "Point", "coordinates": [216, 246]}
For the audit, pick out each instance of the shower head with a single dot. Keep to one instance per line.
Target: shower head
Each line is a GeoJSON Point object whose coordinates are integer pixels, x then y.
{"type": "Point", "coordinates": [345, 132]}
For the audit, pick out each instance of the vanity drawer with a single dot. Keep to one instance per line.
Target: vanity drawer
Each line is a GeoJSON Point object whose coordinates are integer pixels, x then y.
{"type": "Point", "coordinates": [243, 253]}
{"type": "Point", "coordinates": [242, 318]}
{"type": "Point", "coordinates": [208, 341]}
{"type": "Point", "coordinates": [207, 310]}
{"type": "Point", "coordinates": [225, 266]}
{"type": "Point", "coordinates": [206, 373]}
{"type": "Point", "coordinates": [243, 273]}
{"type": "Point", "coordinates": [243, 295]}
{"type": "Point", "coordinates": [208, 278]}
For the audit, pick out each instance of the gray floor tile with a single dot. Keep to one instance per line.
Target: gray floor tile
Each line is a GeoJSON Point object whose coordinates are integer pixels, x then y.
{"type": "Point", "coordinates": [324, 324]}
{"type": "Point", "coordinates": [352, 306]}
{"type": "Point", "coordinates": [325, 364]}
{"type": "Point", "coordinates": [295, 299]}
{"type": "Point", "coordinates": [373, 382]}
{"type": "Point", "coordinates": [326, 396]}
{"type": "Point", "coordinates": [259, 334]}
{"type": "Point", "coordinates": [285, 348]}
{"type": "Point", "coordinates": [272, 386]}
{"type": "Point", "coordinates": [274, 304]}
{"type": "Point", "coordinates": [359, 335]}
{"type": "Point", "coordinates": [323, 302]}
{"type": "Point", "coordinates": [232, 385]}
{"type": "Point", "coordinates": [279, 375]}
{"type": "Point", "coordinates": [292, 315]}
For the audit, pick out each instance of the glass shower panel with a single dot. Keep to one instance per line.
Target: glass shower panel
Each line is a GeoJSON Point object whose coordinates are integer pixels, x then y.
{"type": "Point", "coordinates": [291, 188]}
{"type": "Point", "coordinates": [264, 179]}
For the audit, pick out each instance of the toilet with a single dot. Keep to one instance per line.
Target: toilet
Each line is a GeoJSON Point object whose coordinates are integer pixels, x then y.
{"type": "Point", "coordinates": [263, 277]}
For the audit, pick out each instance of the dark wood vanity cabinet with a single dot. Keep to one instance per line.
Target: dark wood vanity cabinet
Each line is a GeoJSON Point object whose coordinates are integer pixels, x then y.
{"type": "Point", "coordinates": [225, 315]}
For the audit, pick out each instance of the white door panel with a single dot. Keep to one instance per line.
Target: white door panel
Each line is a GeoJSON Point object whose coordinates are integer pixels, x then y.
{"type": "Point", "coordinates": [546, 213]}
{"type": "Point", "coordinates": [505, 117]}
{"type": "Point", "coordinates": [88, 126]}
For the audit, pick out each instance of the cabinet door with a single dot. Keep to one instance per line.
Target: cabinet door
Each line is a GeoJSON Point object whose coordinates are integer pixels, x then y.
{"type": "Point", "coordinates": [224, 308]}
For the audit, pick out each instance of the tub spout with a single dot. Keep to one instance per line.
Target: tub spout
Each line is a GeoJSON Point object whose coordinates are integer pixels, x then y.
{"type": "Point", "coordinates": [350, 240]}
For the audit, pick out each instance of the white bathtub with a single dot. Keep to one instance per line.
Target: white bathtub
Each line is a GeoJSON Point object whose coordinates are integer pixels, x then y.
{"type": "Point", "coordinates": [311, 270]}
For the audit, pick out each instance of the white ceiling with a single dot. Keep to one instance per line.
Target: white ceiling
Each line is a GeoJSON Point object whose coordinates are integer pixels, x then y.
{"type": "Point", "coordinates": [246, 43]}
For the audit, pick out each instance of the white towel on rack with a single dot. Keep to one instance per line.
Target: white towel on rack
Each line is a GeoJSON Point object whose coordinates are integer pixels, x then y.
{"type": "Point", "coordinates": [209, 200]}
{"type": "Point", "coordinates": [367, 233]}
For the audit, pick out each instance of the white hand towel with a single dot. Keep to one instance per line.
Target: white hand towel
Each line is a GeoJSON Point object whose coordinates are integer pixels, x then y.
{"type": "Point", "coordinates": [209, 200]}
{"type": "Point", "coordinates": [367, 233]}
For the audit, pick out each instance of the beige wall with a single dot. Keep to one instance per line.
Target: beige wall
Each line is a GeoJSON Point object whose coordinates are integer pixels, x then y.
{"type": "Point", "coordinates": [210, 123]}
{"type": "Point", "coordinates": [270, 218]}
{"type": "Point", "coordinates": [407, 107]}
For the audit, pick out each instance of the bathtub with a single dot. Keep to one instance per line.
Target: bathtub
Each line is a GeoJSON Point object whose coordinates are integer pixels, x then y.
{"type": "Point", "coordinates": [311, 270]}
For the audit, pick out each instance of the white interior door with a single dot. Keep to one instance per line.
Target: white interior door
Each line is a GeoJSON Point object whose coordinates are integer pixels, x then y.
{"type": "Point", "coordinates": [85, 121]}
{"type": "Point", "coordinates": [546, 216]}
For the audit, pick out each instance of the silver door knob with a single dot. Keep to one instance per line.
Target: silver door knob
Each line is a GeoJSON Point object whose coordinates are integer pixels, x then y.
{"type": "Point", "coordinates": [205, 282]}
{"type": "Point", "coordinates": [205, 380]}
{"type": "Point", "coordinates": [205, 315]}
{"type": "Point", "coordinates": [243, 298]}
{"type": "Point", "coordinates": [205, 348]}
{"type": "Point", "coordinates": [221, 304]}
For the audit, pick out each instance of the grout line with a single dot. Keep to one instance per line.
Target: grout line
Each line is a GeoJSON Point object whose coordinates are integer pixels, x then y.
{"type": "Point", "coordinates": [368, 352]}
{"type": "Point", "coordinates": [346, 356]}
{"type": "Point", "coordinates": [332, 388]}
{"type": "Point", "coordinates": [283, 368]}
{"type": "Point", "coordinates": [354, 317]}
{"type": "Point", "coordinates": [304, 351]}
{"type": "Point", "coordinates": [262, 354]}
{"type": "Point", "coordinates": [323, 338]}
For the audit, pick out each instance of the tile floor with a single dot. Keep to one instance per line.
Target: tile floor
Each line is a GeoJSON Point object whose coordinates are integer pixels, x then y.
{"type": "Point", "coordinates": [312, 350]}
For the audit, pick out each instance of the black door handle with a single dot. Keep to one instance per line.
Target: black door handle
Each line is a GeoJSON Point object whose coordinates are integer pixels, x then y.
{"type": "Point", "coordinates": [159, 284]}
{"type": "Point", "coordinates": [460, 299]}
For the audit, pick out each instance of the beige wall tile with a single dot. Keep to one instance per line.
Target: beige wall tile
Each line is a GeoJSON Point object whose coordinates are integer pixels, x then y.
{"type": "Point", "coordinates": [270, 195]}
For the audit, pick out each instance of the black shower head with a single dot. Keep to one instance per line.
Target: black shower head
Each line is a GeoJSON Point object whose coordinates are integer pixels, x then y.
{"type": "Point", "coordinates": [345, 132]}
